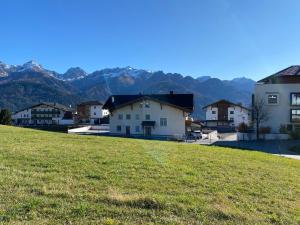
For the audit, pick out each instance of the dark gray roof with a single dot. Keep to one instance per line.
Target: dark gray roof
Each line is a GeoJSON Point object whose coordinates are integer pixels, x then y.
{"type": "Point", "coordinates": [292, 71]}
{"type": "Point", "coordinates": [90, 103]}
{"type": "Point", "coordinates": [182, 101]}
{"type": "Point", "coordinates": [51, 104]}
{"type": "Point", "coordinates": [225, 101]}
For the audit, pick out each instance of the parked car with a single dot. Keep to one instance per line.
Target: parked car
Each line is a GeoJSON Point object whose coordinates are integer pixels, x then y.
{"type": "Point", "coordinates": [197, 134]}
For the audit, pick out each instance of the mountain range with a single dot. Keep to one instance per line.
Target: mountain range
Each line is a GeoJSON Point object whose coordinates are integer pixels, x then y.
{"type": "Point", "coordinates": [27, 84]}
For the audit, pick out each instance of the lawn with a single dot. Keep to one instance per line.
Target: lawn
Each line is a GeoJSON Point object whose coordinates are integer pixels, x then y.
{"type": "Point", "coordinates": [55, 178]}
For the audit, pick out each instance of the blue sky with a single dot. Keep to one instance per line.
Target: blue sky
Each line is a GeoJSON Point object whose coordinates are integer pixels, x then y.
{"type": "Point", "coordinates": [221, 38]}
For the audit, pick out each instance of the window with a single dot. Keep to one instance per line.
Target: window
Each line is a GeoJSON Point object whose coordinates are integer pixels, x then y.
{"type": "Point", "coordinates": [295, 115]}
{"type": "Point", "coordinates": [137, 116]}
{"type": "Point", "coordinates": [137, 129]}
{"type": "Point", "coordinates": [231, 112]}
{"type": "Point", "coordinates": [163, 122]}
{"type": "Point", "coordinates": [295, 98]}
{"type": "Point", "coordinates": [147, 105]}
{"type": "Point", "coordinates": [272, 99]}
{"type": "Point", "coordinates": [94, 107]}
{"type": "Point", "coordinates": [231, 119]}
{"type": "Point", "coordinates": [119, 128]}
{"type": "Point", "coordinates": [213, 112]}
{"type": "Point", "coordinates": [94, 113]}
{"type": "Point", "coordinates": [147, 117]}
{"type": "Point", "coordinates": [120, 116]}
{"type": "Point", "coordinates": [128, 116]}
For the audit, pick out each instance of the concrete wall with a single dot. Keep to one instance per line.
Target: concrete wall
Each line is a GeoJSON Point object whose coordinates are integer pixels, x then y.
{"type": "Point", "coordinates": [279, 113]}
{"type": "Point", "coordinates": [137, 111]}
{"type": "Point", "coordinates": [252, 136]}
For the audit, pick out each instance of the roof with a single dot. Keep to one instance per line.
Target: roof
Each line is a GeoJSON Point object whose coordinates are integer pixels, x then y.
{"type": "Point", "coordinates": [291, 73]}
{"type": "Point", "coordinates": [90, 103]}
{"type": "Point", "coordinates": [50, 104]}
{"type": "Point", "coordinates": [182, 101]}
{"type": "Point", "coordinates": [226, 102]}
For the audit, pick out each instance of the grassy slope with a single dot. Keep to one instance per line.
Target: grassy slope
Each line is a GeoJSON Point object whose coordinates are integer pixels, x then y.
{"type": "Point", "coordinates": [58, 178]}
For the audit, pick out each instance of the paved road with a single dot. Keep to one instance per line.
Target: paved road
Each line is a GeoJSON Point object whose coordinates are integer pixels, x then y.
{"type": "Point", "coordinates": [273, 146]}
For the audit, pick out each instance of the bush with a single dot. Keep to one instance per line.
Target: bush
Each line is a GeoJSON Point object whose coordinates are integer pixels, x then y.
{"type": "Point", "coordinates": [242, 128]}
{"type": "Point", "coordinates": [283, 129]}
{"type": "Point", "coordinates": [264, 130]}
{"type": "Point", "coordinates": [294, 135]}
{"type": "Point", "coordinates": [5, 117]}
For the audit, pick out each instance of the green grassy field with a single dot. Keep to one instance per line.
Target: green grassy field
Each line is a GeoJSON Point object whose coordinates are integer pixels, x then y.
{"type": "Point", "coordinates": [54, 178]}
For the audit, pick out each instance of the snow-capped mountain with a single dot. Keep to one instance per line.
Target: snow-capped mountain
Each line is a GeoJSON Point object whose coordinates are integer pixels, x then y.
{"type": "Point", "coordinates": [4, 69]}
{"type": "Point", "coordinates": [73, 73]}
{"type": "Point", "coordinates": [22, 85]}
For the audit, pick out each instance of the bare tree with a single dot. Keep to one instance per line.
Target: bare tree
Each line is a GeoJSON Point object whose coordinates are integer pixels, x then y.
{"type": "Point", "coordinates": [260, 114]}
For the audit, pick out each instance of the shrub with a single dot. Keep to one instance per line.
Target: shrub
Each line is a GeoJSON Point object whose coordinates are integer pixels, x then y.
{"type": "Point", "coordinates": [264, 130]}
{"type": "Point", "coordinates": [283, 129]}
{"type": "Point", "coordinates": [242, 128]}
{"type": "Point", "coordinates": [294, 135]}
{"type": "Point", "coordinates": [5, 117]}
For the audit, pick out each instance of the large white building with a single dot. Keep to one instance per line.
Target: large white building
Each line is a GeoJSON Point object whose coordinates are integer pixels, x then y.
{"type": "Point", "coordinates": [224, 113]}
{"type": "Point", "coordinates": [149, 115]}
{"type": "Point", "coordinates": [280, 94]}
{"type": "Point", "coordinates": [91, 112]}
{"type": "Point", "coordinates": [44, 114]}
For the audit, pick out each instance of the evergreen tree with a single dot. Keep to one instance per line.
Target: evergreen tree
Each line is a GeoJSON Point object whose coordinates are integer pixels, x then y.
{"type": "Point", "coordinates": [5, 117]}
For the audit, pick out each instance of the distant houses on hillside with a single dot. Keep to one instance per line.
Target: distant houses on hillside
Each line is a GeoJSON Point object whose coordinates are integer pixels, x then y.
{"type": "Point", "coordinates": [166, 115]}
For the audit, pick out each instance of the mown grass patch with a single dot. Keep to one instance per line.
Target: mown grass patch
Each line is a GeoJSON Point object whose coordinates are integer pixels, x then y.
{"type": "Point", "coordinates": [54, 178]}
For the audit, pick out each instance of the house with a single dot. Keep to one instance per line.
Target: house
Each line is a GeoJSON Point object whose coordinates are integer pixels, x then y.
{"type": "Point", "coordinates": [280, 94]}
{"type": "Point", "coordinates": [91, 112]}
{"type": "Point", "coordinates": [156, 115]}
{"type": "Point", "coordinates": [44, 113]}
{"type": "Point", "coordinates": [225, 114]}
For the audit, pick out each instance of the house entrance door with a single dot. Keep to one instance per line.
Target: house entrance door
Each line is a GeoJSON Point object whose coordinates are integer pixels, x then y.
{"type": "Point", "coordinates": [148, 131]}
{"type": "Point", "coordinates": [127, 130]}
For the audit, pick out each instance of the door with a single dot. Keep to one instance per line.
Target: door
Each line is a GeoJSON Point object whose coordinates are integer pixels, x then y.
{"type": "Point", "coordinates": [127, 130]}
{"type": "Point", "coordinates": [147, 131]}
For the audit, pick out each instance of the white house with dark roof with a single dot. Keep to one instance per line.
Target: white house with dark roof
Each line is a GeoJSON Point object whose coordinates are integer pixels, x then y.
{"type": "Point", "coordinates": [280, 93]}
{"type": "Point", "coordinates": [43, 113]}
{"type": "Point", "coordinates": [224, 113]}
{"type": "Point", "coordinates": [149, 115]}
{"type": "Point", "coordinates": [91, 112]}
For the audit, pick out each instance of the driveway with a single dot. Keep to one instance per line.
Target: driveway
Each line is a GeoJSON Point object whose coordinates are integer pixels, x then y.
{"type": "Point", "coordinates": [277, 147]}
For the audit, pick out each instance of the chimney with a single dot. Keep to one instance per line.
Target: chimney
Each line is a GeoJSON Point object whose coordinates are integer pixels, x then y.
{"type": "Point", "coordinates": [171, 92]}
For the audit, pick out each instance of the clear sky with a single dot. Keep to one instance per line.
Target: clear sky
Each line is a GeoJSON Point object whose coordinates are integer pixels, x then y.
{"type": "Point", "coordinates": [221, 38]}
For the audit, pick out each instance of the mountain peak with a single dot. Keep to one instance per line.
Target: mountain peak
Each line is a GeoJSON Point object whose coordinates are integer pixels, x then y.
{"type": "Point", "coordinates": [74, 73]}
{"type": "Point", "coordinates": [32, 65]}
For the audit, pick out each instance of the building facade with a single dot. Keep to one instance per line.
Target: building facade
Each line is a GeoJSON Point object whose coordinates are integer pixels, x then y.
{"type": "Point", "coordinates": [280, 94]}
{"type": "Point", "coordinates": [44, 114]}
{"type": "Point", "coordinates": [91, 112]}
{"type": "Point", "coordinates": [149, 115]}
{"type": "Point", "coordinates": [225, 113]}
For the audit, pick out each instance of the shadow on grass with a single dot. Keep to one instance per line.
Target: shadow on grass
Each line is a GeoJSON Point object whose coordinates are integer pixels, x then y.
{"type": "Point", "coordinates": [266, 146]}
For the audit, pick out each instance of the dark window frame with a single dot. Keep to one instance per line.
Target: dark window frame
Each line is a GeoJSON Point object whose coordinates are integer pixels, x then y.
{"type": "Point", "coordinates": [291, 98]}
{"type": "Point", "coordinates": [291, 116]}
{"type": "Point", "coordinates": [277, 99]}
